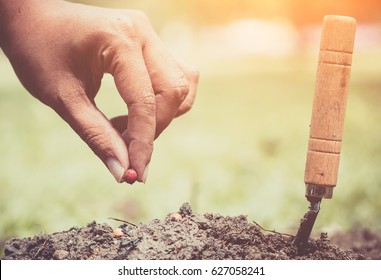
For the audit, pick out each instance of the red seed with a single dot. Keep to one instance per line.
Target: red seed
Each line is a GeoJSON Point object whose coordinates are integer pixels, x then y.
{"type": "Point", "coordinates": [130, 176]}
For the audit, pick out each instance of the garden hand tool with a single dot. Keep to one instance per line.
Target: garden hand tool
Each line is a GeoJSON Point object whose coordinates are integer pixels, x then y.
{"type": "Point", "coordinates": [327, 121]}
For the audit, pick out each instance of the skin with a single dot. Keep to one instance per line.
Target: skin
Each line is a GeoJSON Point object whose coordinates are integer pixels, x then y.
{"type": "Point", "coordinates": [60, 52]}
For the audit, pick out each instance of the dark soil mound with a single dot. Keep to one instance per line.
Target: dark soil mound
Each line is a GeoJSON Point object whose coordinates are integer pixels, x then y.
{"type": "Point", "coordinates": [184, 236]}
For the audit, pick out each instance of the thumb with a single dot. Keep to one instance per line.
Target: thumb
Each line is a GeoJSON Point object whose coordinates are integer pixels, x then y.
{"type": "Point", "coordinates": [98, 133]}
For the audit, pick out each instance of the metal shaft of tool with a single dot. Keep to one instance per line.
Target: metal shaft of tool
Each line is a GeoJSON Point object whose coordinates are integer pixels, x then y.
{"type": "Point", "coordinates": [327, 121]}
{"type": "Point", "coordinates": [307, 223]}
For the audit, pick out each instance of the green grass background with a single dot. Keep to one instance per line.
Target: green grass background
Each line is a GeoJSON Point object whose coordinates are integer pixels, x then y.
{"type": "Point", "coordinates": [241, 150]}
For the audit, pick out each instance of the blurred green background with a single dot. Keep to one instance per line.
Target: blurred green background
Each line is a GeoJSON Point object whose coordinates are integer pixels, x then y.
{"type": "Point", "coordinates": [240, 150]}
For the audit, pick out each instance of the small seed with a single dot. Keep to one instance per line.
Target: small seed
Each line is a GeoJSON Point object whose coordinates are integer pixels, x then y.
{"type": "Point", "coordinates": [130, 176]}
{"type": "Point", "coordinates": [118, 232]}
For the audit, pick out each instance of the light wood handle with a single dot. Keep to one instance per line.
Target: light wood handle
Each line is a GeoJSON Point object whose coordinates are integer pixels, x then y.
{"type": "Point", "coordinates": [328, 111]}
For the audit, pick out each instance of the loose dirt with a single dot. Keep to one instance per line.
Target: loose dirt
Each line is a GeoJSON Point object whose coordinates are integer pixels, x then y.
{"type": "Point", "coordinates": [185, 235]}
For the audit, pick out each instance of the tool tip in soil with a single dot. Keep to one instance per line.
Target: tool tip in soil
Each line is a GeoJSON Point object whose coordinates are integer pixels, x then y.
{"type": "Point", "coordinates": [307, 223]}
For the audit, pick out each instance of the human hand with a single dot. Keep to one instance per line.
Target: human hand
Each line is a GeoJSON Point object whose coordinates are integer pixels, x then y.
{"type": "Point", "coordinates": [60, 52]}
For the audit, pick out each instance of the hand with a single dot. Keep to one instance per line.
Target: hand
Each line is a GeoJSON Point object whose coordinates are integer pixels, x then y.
{"type": "Point", "coordinates": [60, 52]}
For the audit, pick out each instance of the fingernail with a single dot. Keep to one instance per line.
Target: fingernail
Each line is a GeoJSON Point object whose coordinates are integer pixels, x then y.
{"type": "Point", "coordinates": [116, 169]}
{"type": "Point", "coordinates": [145, 174]}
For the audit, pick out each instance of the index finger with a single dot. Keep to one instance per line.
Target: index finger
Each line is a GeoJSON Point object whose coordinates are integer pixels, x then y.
{"type": "Point", "coordinates": [133, 82]}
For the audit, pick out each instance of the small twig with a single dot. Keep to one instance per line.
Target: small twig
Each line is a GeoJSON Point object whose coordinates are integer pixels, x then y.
{"type": "Point", "coordinates": [40, 249]}
{"type": "Point", "coordinates": [272, 231]}
{"type": "Point", "coordinates": [123, 221]}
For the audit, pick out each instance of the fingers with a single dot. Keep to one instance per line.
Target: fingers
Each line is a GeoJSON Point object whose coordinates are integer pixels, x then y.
{"type": "Point", "coordinates": [120, 123]}
{"type": "Point", "coordinates": [94, 128]}
{"type": "Point", "coordinates": [154, 87]}
{"type": "Point", "coordinates": [192, 75]}
{"type": "Point", "coordinates": [168, 81]}
{"type": "Point", "coordinates": [125, 62]}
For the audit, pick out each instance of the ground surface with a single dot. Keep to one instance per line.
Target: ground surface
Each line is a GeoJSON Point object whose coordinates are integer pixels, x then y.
{"type": "Point", "coordinates": [189, 236]}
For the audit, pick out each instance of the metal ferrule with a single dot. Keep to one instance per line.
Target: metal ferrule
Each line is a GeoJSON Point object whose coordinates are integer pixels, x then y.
{"type": "Point", "coordinates": [318, 191]}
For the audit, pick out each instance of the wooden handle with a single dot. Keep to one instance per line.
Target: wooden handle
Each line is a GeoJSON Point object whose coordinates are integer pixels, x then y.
{"type": "Point", "coordinates": [328, 111]}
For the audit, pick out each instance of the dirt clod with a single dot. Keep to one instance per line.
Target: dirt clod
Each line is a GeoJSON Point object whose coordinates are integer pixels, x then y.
{"type": "Point", "coordinates": [60, 254]}
{"type": "Point", "coordinates": [185, 209]}
{"type": "Point", "coordinates": [195, 236]}
{"type": "Point", "coordinates": [175, 217]}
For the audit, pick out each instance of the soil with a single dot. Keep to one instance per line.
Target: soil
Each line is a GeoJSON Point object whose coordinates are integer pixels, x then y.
{"type": "Point", "coordinates": [185, 235]}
